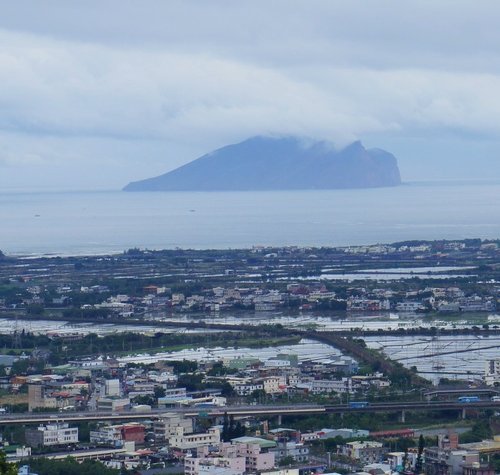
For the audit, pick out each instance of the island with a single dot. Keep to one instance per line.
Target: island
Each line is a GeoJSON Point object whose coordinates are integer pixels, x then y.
{"type": "Point", "coordinates": [284, 163]}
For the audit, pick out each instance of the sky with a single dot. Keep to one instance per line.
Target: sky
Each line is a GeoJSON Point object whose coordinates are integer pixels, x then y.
{"type": "Point", "coordinates": [98, 93]}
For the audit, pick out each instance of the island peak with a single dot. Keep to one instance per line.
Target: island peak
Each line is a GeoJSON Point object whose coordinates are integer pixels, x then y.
{"type": "Point", "coordinates": [279, 163]}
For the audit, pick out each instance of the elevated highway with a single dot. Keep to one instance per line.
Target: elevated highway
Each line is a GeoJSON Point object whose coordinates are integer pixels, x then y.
{"type": "Point", "coordinates": [243, 411]}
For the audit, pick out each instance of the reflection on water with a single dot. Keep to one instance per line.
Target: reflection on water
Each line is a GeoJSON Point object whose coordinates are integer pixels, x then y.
{"type": "Point", "coordinates": [460, 357]}
{"type": "Point", "coordinates": [454, 357]}
{"type": "Point", "coordinates": [47, 327]}
{"type": "Point", "coordinates": [306, 350]}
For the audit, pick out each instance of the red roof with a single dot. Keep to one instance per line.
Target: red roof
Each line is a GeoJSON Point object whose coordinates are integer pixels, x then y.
{"type": "Point", "coordinates": [394, 432]}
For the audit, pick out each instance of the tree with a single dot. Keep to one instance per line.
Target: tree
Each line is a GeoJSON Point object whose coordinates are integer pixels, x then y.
{"type": "Point", "coordinates": [227, 390]}
{"type": "Point", "coordinates": [20, 367]}
{"type": "Point", "coordinates": [240, 430]}
{"type": "Point", "coordinates": [35, 309]}
{"type": "Point", "coordinates": [225, 429]}
{"type": "Point", "coordinates": [159, 392]}
{"type": "Point", "coordinates": [404, 463]}
{"type": "Point", "coordinates": [144, 399]}
{"type": "Point", "coordinates": [68, 466]}
{"type": "Point", "coordinates": [6, 468]}
{"type": "Point", "coordinates": [418, 462]}
{"type": "Point", "coordinates": [288, 460]}
{"type": "Point", "coordinates": [231, 429]}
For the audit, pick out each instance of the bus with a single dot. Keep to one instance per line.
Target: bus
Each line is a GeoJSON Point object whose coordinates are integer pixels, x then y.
{"type": "Point", "coordinates": [468, 399]}
{"type": "Point", "coordinates": [358, 404]}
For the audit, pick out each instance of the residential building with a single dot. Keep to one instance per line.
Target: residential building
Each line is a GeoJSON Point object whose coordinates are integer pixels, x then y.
{"type": "Point", "coordinates": [257, 453]}
{"type": "Point", "coordinates": [344, 433]}
{"type": "Point", "coordinates": [492, 372]}
{"type": "Point", "coordinates": [447, 459]}
{"type": "Point", "coordinates": [37, 398]}
{"type": "Point", "coordinates": [112, 387]}
{"type": "Point", "coordinates": [172, 396]}
{"type": "Point", "coordinates": [272, 384]}
{"type": "Point", "coordinates": [365, 452]}
{"type": "Point", "coordinates": [117, 435]}
{"type": "Point", "coordinates": [113, 403]}
{"type": "Point", "coordinates": [247, 389]}
{"type": "Point", "coordinates": [225, 458]}
{"type": "Point", "coordinates": [409, 306]}
{"type": "Point", "coordinates": [51, 435]}
{"type": "Point", "coordinates": [288, 448]}
{"type": "Point", "coordinates": [166, 427]}
{"type": "Point", "coordinates": [186, 441]}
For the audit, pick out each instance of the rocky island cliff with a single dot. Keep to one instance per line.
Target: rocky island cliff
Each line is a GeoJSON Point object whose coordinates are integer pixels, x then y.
{"type": "Point", "coordinates": [289, 163]}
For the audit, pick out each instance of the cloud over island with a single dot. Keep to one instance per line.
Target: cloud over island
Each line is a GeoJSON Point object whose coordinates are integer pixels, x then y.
{"type": "Point", "coordinates": [108, 92]}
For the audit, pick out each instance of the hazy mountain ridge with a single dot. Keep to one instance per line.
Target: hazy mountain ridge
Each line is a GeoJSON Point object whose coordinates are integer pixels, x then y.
{"type": "Point", "coordinates": [266, 163]}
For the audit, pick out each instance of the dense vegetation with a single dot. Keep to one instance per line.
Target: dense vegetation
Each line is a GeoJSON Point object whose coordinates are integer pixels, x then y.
{"type": "Point", "coordinates": [69, 466]}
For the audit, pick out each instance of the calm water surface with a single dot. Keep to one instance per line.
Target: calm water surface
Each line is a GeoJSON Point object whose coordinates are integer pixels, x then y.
{"type": "Point", "coordinates": [100, 222]}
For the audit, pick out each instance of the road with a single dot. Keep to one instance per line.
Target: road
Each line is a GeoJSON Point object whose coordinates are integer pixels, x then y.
{"type": "Point", "coordinates": [257, 411]}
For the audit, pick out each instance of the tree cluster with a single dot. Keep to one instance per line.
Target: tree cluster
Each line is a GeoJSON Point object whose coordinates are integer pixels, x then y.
{"type": "Point", "coordinates": [231, 429]}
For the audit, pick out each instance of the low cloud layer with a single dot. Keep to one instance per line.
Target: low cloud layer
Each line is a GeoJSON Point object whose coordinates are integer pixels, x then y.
{"type": "Point", "coordinates": [116, 91]}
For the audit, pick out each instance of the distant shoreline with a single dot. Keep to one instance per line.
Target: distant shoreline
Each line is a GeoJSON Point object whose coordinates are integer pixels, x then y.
{"type": "Point", "coordinates": [430, 182]}
{"type": "Point", "coordinates": [55, 255]}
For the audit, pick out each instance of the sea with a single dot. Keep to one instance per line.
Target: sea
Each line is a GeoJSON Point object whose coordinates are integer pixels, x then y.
{"type": "Point", "coordinates": [100, 222]}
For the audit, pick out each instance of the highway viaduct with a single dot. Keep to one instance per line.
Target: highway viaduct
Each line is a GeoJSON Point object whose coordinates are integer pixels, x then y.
{"type": "Point", "coordinates": [245, 411]}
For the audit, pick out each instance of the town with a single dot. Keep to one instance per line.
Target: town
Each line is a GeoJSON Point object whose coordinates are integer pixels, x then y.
{"type": "Point", "coordinates": [373, 359]}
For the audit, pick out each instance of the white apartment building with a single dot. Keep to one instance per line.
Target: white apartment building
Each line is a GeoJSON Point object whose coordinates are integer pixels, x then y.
{"type": "Point", "coordinates": [183, 441]}
{"type": "Point", "coordinates": [112, 387]}
{"type": "Point", "coordinates": [51, 434]}
{"type": "Point", "coordinates": [247, 389]}
{"type": "Point", "coordinates": [366, 452]}
{"type": "Point", "coordinates": [167, 426]}
{"type": "Point", "coordinates": [277, 363]}
{"type": "Point", "coordinates": [107, 435]}
{"type": "Point", "coordinates": [113, 403]}
{"type": "Point", "coordinates": [213, 465]}
{"type": "Point", "coordinates": [271, 385]}
{"type": "Point", "coordinates": [409, 306]}
{"type": "Point", "coordinates": [322, 386]}
{"type": "Point", "coordinates": [492, 372]}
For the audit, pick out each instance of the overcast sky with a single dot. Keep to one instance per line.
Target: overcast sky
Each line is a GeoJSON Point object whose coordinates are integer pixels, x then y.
{"type": "Point", "coordinates": [94, 94]}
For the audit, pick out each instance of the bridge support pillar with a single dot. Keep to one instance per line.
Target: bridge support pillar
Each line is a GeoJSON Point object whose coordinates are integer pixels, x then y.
{"type": "Point", "coordinates": [279, 420]}
{"type": "Point", "coordinates": [463, 415]}
{"type": "Point", "coordinates": [402, 417]}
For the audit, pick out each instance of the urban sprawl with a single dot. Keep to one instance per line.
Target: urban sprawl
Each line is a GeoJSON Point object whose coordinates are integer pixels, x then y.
{"type": "Point", "coordinates": [378, 360]}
